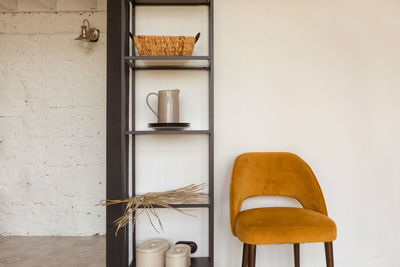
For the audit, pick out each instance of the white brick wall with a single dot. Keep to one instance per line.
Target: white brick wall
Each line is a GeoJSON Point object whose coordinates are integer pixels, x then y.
{"type": "Point", "coordinates": [52, 125]}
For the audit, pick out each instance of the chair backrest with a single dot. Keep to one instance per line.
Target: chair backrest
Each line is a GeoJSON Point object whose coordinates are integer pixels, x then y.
{"type": "Point", "coordinates": [273, 174]}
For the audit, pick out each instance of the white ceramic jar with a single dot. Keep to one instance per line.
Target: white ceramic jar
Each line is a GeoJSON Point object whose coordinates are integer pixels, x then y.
{"type": "Point", "coordinates": [152, 253]}
{"type": "Point", "coordinates": [178, 256]}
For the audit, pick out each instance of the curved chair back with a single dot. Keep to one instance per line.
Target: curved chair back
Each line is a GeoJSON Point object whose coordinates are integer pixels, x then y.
{"type": "Point", "coordinates": [273, 174]}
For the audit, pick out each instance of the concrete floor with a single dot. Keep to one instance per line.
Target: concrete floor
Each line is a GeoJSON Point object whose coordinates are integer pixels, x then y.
{"type": "Point", "coordinates": [53, 251]}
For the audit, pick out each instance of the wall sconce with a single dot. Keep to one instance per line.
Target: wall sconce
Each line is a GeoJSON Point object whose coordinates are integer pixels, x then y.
{"type": "Point", "coordinates": [87, 33]}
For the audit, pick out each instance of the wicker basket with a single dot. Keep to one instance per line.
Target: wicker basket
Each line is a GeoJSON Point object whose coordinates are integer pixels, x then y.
{"type": "Point", "coordinates": [148, 45]}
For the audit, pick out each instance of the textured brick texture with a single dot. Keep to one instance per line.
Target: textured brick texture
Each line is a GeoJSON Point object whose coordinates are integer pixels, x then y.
{"type": "Point", "coordinates": [52, 125]}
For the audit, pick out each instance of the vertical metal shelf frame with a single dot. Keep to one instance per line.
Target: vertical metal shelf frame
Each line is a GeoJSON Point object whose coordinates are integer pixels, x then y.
{"type": "Point", "coordinates": [117, 180]}
{"type": "Point", "coordinates": [121, 132]}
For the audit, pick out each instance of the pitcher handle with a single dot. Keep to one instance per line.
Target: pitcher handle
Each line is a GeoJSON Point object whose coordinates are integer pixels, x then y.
{"type": "Point", "coordinates": [148, 104]}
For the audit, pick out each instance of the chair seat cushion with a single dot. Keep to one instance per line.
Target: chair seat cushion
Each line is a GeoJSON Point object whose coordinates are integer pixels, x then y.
{"type": "Point", "coordinates": [279, 225]}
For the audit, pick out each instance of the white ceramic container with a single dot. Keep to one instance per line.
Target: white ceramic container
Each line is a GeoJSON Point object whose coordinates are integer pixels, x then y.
{"type": "Point", "coordinates": [178, 256]}
{"type": "Point", "coordinates": [152, 253]}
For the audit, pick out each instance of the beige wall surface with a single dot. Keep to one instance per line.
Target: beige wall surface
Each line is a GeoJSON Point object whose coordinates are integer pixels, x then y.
{"type": "Point", "coordinates": [320, 79]}
{"type": "Point", "coordinates": [316, 78]}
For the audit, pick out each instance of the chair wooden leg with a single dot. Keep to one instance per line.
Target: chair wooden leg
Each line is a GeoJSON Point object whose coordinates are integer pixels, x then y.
{"type": "Point", "coordinates": [252, 256]}
{"type": "Point", "coordinates": [245, 255]}
{"type": "Point", "coordinates": [296, 254]}
{"type": "Point", "coordinates": [329, 254]}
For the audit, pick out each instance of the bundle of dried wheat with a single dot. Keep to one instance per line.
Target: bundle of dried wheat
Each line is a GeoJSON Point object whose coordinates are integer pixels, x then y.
{"type": "Point", "coordinates": [148, 203]}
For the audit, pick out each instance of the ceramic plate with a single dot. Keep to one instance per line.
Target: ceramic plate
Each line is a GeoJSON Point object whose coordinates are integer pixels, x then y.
{"type": "Point", "coordinates": [169, 126]}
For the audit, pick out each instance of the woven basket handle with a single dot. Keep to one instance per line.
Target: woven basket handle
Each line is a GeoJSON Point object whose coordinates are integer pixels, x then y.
{"type": "Point", "coordinates": [197, 38]}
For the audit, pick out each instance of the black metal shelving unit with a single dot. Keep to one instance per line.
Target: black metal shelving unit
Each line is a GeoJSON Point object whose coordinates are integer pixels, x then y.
{"type": "Point", "coordinates": [121, 132]}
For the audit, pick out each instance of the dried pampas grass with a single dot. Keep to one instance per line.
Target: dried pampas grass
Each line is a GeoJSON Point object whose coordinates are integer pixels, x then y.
{"type": "Point", "coordinates": [148, 203]}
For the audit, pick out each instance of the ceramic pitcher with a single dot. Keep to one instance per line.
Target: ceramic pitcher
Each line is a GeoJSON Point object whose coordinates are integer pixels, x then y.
{"type": "Point", "coordinates": [168, 106]}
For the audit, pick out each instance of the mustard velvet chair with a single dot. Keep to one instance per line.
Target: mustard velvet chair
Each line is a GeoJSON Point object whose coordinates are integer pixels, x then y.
{"type": "Point", "coordinates": [278, 174]}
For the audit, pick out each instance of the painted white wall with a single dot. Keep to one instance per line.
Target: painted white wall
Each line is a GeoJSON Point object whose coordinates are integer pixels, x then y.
{"type": "Point", "coordinates": [319, 79]}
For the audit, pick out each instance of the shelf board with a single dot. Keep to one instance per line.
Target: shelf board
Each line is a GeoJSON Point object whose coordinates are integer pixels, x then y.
{"type": "Point", "coordinates": [204, 204]}
{"type": "Point", "coordinates": [201, 262]}
{"type": "Point", "coordinates": [169, 67]}
{"type": "Point", "coordinates": [170, 2]}
{"type": "Point", "coordinates": [196, 262]}
{"type": "Point", "coordinates": [167, 58]}
{"type": "Point", "coordinates": [168, 132]}
{"type": "Point", "coordinates": [191, 205]}
{"type": "Point", "coordinates": [174, 63]}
